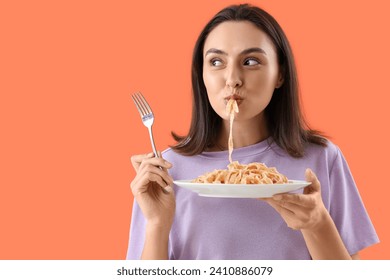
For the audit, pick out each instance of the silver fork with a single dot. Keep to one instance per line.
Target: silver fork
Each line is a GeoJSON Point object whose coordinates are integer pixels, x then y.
{"type": "Point", "coordinates": [146, 115]}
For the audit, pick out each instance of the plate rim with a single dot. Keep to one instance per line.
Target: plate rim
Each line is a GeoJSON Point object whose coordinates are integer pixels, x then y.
{"type": "Point", "coordinates": [216, 190]}
{"type": "Point", "coordinates": [188, 183]}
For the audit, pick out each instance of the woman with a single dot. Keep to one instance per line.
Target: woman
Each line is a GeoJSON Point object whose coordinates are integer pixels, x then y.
{"type": "Point", "coordinates": [243, 54]}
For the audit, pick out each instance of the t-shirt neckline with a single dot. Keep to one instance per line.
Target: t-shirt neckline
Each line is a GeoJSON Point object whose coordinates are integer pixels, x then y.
{"type": "Point", "coordinates": [257, 148]}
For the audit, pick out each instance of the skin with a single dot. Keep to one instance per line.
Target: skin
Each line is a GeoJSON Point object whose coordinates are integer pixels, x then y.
{"type": "Point", "coordinates": [307, 213]}
{"type": "Point", "coordinates": [231, 69]}
{"type": "Point", "coordinates": [152, 190]}
{"type": "Point", "coordinates": [240, 62]}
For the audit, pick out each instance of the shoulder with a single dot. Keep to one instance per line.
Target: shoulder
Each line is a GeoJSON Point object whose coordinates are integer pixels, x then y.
{"type": "Point", "coordinates": [331, 151]}
{"type": "Point", "coordinates": [170, 155]}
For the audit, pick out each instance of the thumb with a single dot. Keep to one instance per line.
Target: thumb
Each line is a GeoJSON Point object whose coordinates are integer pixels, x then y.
{"type": "Point", "coordinates": [311, 177]}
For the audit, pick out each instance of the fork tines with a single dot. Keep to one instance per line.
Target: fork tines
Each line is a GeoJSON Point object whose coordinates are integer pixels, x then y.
{"type": "Point", "coordinates": [142, 105]}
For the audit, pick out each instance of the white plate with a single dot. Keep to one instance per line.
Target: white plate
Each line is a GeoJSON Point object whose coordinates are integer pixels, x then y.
{"type": "Point", "coordinates": [241, 190]}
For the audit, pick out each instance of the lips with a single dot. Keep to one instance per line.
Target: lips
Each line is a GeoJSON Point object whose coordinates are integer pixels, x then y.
{"type": "Point", "coordinates": [235, 97]}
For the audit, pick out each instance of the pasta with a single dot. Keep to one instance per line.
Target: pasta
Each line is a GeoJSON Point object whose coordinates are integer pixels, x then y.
{"type": "Point", "coordinates": [252, 173]}
{"type": "Point", "coordinates": [231, 108]}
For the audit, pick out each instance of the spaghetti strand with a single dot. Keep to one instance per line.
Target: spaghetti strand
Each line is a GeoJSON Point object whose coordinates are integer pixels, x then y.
{"type": "Point", "coordinates": [252, 173]}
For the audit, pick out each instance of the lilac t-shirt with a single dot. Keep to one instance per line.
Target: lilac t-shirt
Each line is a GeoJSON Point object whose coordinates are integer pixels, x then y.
{"type": "Point", "coordinates": [245, 228]}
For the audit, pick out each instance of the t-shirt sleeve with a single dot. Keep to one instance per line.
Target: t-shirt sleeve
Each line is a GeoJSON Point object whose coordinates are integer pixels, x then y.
{"type": "Point", "coordinates": [137, 234]}
{"type": "Point", "coordinates": [347, 208]}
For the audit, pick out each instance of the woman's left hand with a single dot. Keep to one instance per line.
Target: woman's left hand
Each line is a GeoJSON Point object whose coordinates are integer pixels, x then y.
{"type": "Point", "coordinates": [301, 211]}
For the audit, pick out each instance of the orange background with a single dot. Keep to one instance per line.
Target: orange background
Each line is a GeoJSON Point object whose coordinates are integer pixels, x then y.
{"type": "Point", "coordinates": [69, 127]}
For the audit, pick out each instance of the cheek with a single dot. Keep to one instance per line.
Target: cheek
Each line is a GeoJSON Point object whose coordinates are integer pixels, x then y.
{"type": "Point", "coordinates": [214, 87]}
{"type": "Point", "coordinates": [212, 82]}
{"type": "Point", "coordinates": [261, 89]}
{"type": "Point", "coordinates": [218, 106]}
{"type": "Point", "coordinates": [263, 82]}
{"type": "Point", "coordinates": [259, 93]}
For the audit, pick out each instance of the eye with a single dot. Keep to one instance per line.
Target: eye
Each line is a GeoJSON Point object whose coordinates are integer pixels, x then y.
{"type": "Point", "coordinates": [216, 62]}
{"type": "Point", "coordinates": [251, 61]}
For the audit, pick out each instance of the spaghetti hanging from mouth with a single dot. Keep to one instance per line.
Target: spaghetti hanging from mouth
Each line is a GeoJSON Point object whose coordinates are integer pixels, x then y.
{"type": "Point", "coordinates": [231, 108]}
{"type": "Point", "coordinates": [252, 173]}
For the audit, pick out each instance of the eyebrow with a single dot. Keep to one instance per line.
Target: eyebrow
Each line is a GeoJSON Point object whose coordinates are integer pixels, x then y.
{"type": "Point", "coordinates": [246, 51]}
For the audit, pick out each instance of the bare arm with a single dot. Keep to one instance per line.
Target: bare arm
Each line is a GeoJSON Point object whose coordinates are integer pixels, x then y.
{"type": "Point", "coordinates": [325, 242]}
{"type": "Point", "coordinates": [355, 256]}
{"type": "Point", "coordinates": [156, 243]}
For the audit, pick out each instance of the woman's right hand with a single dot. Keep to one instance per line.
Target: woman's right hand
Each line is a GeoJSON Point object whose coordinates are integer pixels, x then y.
{"type": "Point", "coordinates": [152, 189]}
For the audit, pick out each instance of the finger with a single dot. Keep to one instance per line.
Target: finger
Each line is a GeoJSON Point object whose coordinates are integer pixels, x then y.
{"type": "Point", "coordinates": [145, 170]}
{"type": "Point", "coordinates": [299, 211]}
{"type": "Point", "coordinates": [285, 211]}
{"type": "Point", "coordinates": [161, 164]}
{"type": "Point", "coordinates": [137, 159]}
{"type": "Point", "coordinates": [272, 203]}
{"type": "Point", "coordinates": [315, 185]}
{"type": "Point", "coordinates": [168, 190]}
{"type": "Point", "coordinates": [142, 185]}
{"type": "Point", "coordinates": [156, 162]}
{"type": "Point", "coordinates": [160, 156]}
{"type": "Point", "coordinates": [277, 206]}
{"type": "Point", "coordinates": [301, 200]}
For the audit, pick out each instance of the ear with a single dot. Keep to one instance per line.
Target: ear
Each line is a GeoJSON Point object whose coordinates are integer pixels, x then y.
{"type": "Point", "coordinates": [280, 80]}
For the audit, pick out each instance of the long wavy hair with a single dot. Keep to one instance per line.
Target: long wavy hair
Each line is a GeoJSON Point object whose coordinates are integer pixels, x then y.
{"type": "Point", "coordinates": [285, 121]}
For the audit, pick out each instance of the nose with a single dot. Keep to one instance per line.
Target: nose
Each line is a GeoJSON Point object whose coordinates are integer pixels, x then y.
{"type": "Point", "coordinates": [233, 78]}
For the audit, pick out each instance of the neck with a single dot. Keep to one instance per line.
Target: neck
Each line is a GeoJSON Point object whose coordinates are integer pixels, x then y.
{"type": "Point", "coordinates": [245, 132]}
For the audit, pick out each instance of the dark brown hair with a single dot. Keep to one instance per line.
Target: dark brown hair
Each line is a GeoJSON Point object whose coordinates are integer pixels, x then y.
{"type": "Point", "coordinates": [285, 120]}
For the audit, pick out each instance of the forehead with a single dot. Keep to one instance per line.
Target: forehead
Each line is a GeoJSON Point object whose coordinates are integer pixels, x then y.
{"type": "Point", "coordinates": [238, 35]}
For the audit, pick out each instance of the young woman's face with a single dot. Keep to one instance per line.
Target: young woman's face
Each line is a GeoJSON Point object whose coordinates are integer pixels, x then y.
{"type": "Point", "coordinates": [240, 62]}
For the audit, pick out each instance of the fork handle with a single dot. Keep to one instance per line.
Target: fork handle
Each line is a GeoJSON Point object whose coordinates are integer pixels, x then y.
{"type": "Point", "coordinates": [152, 141]}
